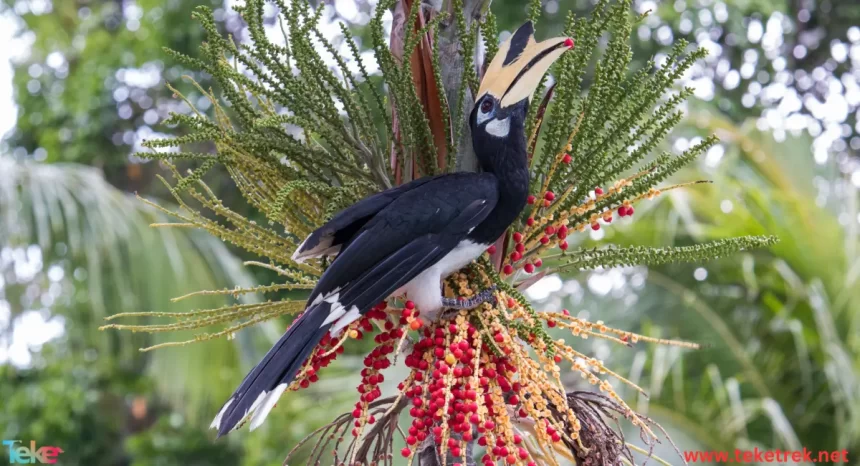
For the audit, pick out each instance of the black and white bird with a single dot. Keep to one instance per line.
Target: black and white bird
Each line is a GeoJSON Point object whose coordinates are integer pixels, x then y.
{"type": "Point", "coordinates": [405, 240]}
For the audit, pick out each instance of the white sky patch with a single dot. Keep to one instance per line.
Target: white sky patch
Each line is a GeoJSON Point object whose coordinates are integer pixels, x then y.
{"type": "Point", "coordinates": [149, 75]}
{"type": "Point", "coordinates": [27, 332]}
{"type": "Point", "coordinates": [714, 155]}
{"type": "Point", "coordinates": [855, 180]}
{"type": "Point", "coordinates": [544, 288]}
{"type": "Point", "coordinates": [14, 48]}
{"type": "Point", "coordinates": [30, 331]}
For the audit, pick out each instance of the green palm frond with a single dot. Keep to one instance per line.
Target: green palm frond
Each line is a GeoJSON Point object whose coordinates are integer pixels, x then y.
{"type": "Point", "coordinates": [129, 265]}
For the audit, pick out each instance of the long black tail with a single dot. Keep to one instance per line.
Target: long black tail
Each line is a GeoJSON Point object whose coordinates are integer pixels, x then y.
{"type": "Point", "coordinates": [262, 387]}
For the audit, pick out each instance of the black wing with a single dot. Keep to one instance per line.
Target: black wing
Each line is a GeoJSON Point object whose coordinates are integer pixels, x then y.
{"type": "Point", "coordinates": [400, 267]}
{"type": "Point", "coordinates": [328, 239]}
{"type": "Point", "coordinates": [444, 206]}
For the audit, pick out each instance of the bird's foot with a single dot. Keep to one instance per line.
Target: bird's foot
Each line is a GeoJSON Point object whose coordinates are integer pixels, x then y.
{"type": "Point", "coordinates": [488, 295]}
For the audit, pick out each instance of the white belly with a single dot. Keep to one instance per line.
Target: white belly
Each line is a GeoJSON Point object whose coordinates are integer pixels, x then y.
{"type": "Point", "coordinates": [425, 290]}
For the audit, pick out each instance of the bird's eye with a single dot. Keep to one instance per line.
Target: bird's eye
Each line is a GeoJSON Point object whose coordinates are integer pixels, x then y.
{"type": "Point", "coordinates": [486, 105]}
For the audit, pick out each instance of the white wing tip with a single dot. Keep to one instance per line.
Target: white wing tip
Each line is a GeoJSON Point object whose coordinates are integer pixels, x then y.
{"type": "Point", "coordinates": [344, 320]}
{"type": "Point", "coordinates": [323, 248]}
{"type": "Point", "coordinates": [258, 411]}
{"type": "Point", "coordinates": [266, 406]}
{"type": "Point", "coordinates": [216, 423]}
{"type": "Point", "coordinates": [298, 257]}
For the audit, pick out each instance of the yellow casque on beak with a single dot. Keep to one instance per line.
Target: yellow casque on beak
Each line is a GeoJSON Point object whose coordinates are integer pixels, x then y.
{"type": "Point", "coordinates": [518, 67]}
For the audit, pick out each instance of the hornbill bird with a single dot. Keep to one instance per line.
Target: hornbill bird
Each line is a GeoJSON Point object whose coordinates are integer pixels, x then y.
{"type": "Point", "coordinates": [407, 239]}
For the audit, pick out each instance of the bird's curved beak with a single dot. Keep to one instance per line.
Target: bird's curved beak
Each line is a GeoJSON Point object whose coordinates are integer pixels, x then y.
{"type": "Point", "coordinates": [519, 65]}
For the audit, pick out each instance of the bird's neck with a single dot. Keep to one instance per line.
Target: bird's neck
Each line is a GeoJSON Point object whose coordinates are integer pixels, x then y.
{"type": "Point", "coordinates": [506, 159]}
{"type": "Point", "coordinates": [510, 165]}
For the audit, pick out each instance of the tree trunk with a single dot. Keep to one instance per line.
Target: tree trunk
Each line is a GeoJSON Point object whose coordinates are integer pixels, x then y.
{"type": "Point", "coordinates": [452, 75]}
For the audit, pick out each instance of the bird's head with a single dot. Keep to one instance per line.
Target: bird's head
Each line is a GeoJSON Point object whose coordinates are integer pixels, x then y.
{"type": "Point", "coordinates": [511, 79]}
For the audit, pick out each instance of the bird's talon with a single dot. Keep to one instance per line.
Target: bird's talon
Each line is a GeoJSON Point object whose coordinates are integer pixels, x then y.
{"type": "Point", "coordinates": [488, 295]}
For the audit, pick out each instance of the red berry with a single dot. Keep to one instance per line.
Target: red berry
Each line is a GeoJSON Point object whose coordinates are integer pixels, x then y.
{"type": "Point", "coordinates": [563, 245]}
{"type": "Point", "coordinates": [530, 221]}
{"type": "Point", "coordinates": [410, 305]}
{"type": "Point", "coordinates": [530, 199]}
{"type": "Point", "coordinates": [508, 269]}
{"type": "Point", "coordinates": [595, 226]}
{"type": "Point", "coordinates": [499, 338]}
{"type": "Point", "coordinates": [529, 268]}
{"type": "Point", "coordinates": [568, 43]}
{"type": "Point", "coordinates": [520, 247]}
{"type": "Point", "coordinates": [550, 323]}
{"type": "Point", "coordinates": [544, 239]}
{"type": "Point", "coordinates": [550, 230]}
{"type": "Point", "coordinates": [491, 249]}
{"type": "Point", "coordinates": [547, 203]}
{"type": "Point", "coordinates": [549, 196]}
{"type": "Point", "coordinates": [566, 159]}
{"type": "Point", "coordinates": [598, 190]}
{"type": "Point", "coordinates": [515, 256]}
{"type": "Point", "coordinates": [538, 262]}
{"type": "Point", "coordinates": [557, 358]}
{"type": "Point", "coordinates": [406, 452]}
{"type": "Point", "coordinates": [518, 237]}
{"type": "Point", "coordinates": [630, 210]}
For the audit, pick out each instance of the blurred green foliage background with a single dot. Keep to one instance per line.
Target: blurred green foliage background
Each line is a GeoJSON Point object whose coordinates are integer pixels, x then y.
{"type": "Point", "coordinates": [781, 368]}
